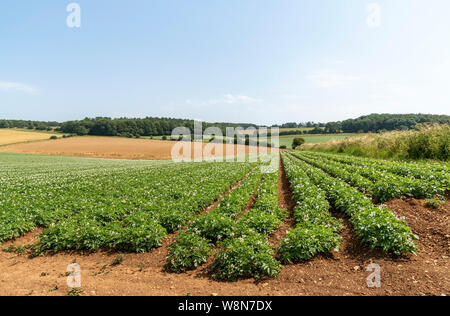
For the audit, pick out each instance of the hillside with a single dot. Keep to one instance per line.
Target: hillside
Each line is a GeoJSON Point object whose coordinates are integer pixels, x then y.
{"type": "Point", "coordinates": [154, 126]}
{"type": "Point", "coordinates": [427, 142]}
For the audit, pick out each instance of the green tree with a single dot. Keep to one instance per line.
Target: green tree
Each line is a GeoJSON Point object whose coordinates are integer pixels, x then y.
{"type": "Point", "coordinates": [297, 142]}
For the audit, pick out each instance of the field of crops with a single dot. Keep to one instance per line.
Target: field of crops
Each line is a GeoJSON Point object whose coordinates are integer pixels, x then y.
{"type": "Point", "coordinates": [134, 206]}
{"type": "Point", "coordinates": [90, 204]}
{"type": "Point", "coordinates": [12, 136]}
{"type": "Point", "coordinates": [313, 139]}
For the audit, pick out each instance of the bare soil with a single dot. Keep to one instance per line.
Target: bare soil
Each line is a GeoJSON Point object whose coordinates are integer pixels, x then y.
{"type": "Point", "coordinates": [338, 273]}
{"type": "Point", "coordinates": [285, 202]}
{"type": "Point", "coordinates": [119, 148]}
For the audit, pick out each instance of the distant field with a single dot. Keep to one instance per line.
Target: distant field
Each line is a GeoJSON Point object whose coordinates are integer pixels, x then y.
{"type": "Point", "coordinates": [302, 129]}
{"type": "Point", "coordinates": [314, 139]}
{"type": "Point", "coordinates": [112, 147]}
{"type": "Point", "coordinates": [12, 136]}
{"type": "Point", "coordinates": [288, 139]}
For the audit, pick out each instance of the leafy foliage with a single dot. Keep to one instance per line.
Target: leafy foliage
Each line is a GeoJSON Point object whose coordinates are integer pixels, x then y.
{"type": "Point", "coordinates": [378, 227]}
{"type": "Point", "coordinates": [435, 202]}
{"type": "Point", "coordinates": [247, 256]}
{"type": "Point", "coordinates": [306, 241]}
{"type": "Point", "coordinates": [381, 185]}
{"type": "Point", "coordinates": [188, 251]}
{"type": "Point", "coordinates": [88, 204]}
{"type": "Point", "coordinates": [317, 231]}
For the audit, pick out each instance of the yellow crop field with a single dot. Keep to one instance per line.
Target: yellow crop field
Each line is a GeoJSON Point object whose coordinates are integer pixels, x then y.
{"type": "Point", "coordinates": [11, 136]}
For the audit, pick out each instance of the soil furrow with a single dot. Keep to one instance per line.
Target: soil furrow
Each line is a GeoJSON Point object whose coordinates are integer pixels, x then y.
{"type": "Point", "coordinates": [286, 202]}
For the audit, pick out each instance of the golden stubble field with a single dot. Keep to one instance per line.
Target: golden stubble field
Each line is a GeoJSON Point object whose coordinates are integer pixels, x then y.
{"type": "Point", "coordinates": [11, 136]}
{"type": "Point", "coordinates": [117, 148]}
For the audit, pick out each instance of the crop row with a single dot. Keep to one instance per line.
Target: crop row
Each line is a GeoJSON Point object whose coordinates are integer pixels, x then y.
{"type": "Point", "coordinates": [43, 197]}
{"type": "Point", "coordinates": [383, 186]}
{"type": "Point", "coordinates": [316, 230]}
{"type": "Point", "coordinates": [143, 225]}
{"type": "Point", "coordinates": [241, 237]}
{"type": "Point", "coordinates": [249, 253]}
{"type": "Point", "coordinates": [123, 205]}
{"type": "Point", "coordinates": [422, 171]}
{"type": "Point", "coordinates": [376, 226]}
{"type": "Point", "coordinates": [193, 246]}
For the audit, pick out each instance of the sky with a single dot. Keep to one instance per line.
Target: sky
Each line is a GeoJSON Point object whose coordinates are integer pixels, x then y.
{"type": "Point", "coordinates": [256, 61]}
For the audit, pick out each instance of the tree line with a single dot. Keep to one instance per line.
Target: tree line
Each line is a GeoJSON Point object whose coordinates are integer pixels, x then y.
{"type": "Point", "coordinates": [384, 122]}
{"type": "Point", "coordinates": [152, 126]}
{"type": "Point", "coordinates": [373, 123]}
{"type": "Point", "coordinates": [126, 127]}
{"type": "Point", "coordinates": [38, 125]}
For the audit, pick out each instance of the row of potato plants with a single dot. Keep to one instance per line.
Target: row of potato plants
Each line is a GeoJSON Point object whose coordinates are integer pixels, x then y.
{"type": "Point", "coordinates": [378, 227]}
{"type": "Point", "coordinates": [91, 204]}
{"type": "Point", "coordinates": [423, 171]}
{"type": "Point", "coordinates": [144, 226]}
{"type": "Point", "coordinates": [194, 245]}
{"type": "Point", "coordinates": [40, 190]}
{"type": "Point", "coordinates": [383, 186]}
{"type": "Point", "coordinates": [316, 230]}
{"type": "Point", "coordinates": [249, 253]}
{"type": "Point", "coordinates": [244, 250]}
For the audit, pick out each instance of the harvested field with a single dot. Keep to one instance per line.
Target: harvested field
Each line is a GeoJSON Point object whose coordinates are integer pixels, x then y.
{"type": "Point", "coordinates": [11, 136]}
{"type": "Point", "coordinates": [114, 148]}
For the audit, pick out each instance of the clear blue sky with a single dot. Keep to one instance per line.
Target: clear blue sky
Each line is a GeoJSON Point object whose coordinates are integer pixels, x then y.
{"type": "Point", "coordinates": [259, 61]}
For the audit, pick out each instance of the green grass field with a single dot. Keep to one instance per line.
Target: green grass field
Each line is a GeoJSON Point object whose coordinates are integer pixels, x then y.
{"type": "Point", "coordinates": [302, 129]}
{"type": "Point", "coordinates": [314, 139]}
{"type": "Point", "coordinates": [288, 139]}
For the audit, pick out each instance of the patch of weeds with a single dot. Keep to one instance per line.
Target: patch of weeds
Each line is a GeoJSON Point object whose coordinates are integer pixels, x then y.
{"type": "Point", "coordinates": [435, 202]}
{"type": "Point", "coordinates": [75, 292]}
{"type": "Point", "coordinates": [20, 250]}
{"type": "Point", "coordinates": [118, 260]}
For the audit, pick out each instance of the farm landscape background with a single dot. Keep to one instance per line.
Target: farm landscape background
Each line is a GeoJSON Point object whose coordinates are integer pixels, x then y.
{"type": "Point", "coordinates": [141, 224]}
{"type": "Point", "coordinates": [250, 149]}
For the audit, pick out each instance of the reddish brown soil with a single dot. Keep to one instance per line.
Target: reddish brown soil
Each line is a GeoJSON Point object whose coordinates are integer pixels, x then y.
{"type": "Point", "coordinates": [286, 202]}
{"type": "Point", "coordinates": [116, 148]}
{"type": "Point", "coordinates": [338, 273]}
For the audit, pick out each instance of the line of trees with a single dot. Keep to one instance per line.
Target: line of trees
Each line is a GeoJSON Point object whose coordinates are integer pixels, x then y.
{"type": "Point", "coordinates": [300, 125]}
{"type": "Point", "coordinates": [384, 122]}
{"type": "Point", "coordinates": [370, 123]}
{"type": "Point", "coordinates": [150, 126]}
{"type": "Point", "coordinates": [28, 124]}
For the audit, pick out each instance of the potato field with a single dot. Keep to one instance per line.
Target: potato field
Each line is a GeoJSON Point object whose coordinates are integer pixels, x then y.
{"type": "Point", "coordinates": [220, 214]}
